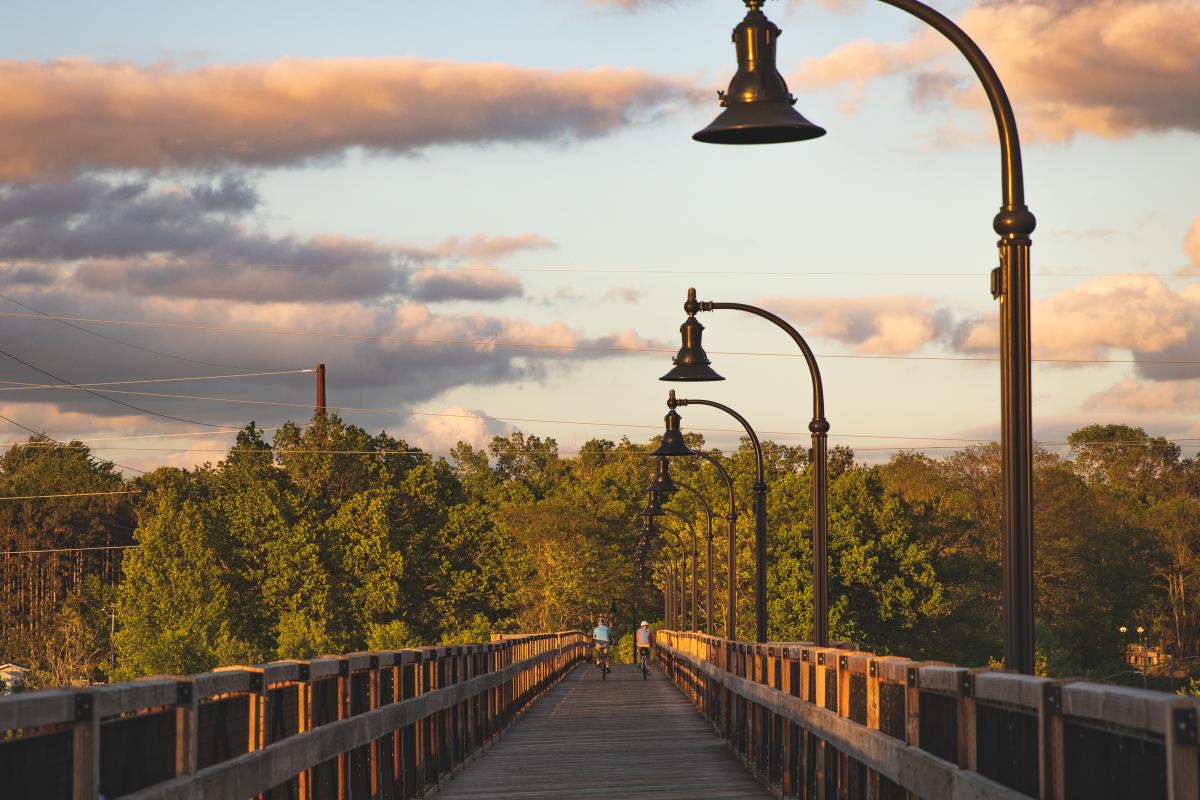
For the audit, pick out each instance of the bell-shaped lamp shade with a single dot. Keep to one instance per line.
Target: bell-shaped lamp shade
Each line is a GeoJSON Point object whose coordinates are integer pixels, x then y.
{"type": "Point", "coordinates": [758, 105]}
{"type": "Point", "coordinates": [691, 362]}
{"type": "Point", "coordinates": [662, 483]}
{"type": "Point", "coordinates": [672, 443]}
{"type": "Point", "coordinates": [653, 506]}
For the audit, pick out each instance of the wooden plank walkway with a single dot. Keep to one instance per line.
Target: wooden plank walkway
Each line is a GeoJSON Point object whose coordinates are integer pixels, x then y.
{"type": "Point", "coordinates": [619, 738]}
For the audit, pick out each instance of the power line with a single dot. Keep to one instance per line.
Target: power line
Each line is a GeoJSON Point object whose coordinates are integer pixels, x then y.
{"type": "Point", "coordinates": [571, 347]}
{"type": "Point", "coordinates": [624, 270]}
{"type": "Point", "coordinates": [111, 399]}
{"type": "Point", "coordinates": [70, 549]}
{"type": "Point", "coordinates": [118, 341]}
{"type": "Point", "coordinates": [12, 421]}
{"type": "Point", "coordinates": [75, 494]}
{"type": "Point", "coordinates": [16, 386]}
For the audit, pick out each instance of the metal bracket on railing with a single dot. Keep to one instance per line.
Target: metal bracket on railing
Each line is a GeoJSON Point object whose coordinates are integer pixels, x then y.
{"type": "Point", "coordinates": [820, 659]}
{"type": "Point", "coordinates": [374, 662]}
{"type": "Point", "coordinates": [183, 693]}
{"type": "Point", "coordinates": [303, 671]}
{"type": "Point", "coordinates": [968, 685]}
{"type": "Point", "coordinates": [912, 677]}
{"type": "Point", "coordinates": [843, 663]}
{"type": "Point", "coordinates": [804, 655]}
{"type": "Point", "coordinates": [256, 681]}
{"type": "Point", "coordinates": [873, 668]}
{"type": "Point", "coordinates": [344, 668]}
{"type": "Point", "coordinates": [83, 707]}
{"type": "Point", "coordinates": [1053, 696]}
{"type": "Point", "coordinates": [1184, 720]}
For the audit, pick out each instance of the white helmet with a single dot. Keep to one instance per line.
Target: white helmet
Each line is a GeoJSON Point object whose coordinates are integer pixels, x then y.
{"type": "Point", "coordinates": [645, 624]}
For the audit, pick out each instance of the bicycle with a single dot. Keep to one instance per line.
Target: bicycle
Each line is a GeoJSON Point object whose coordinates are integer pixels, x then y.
{"type": "Point", "coordinates": [644, 661]}
{"type": "Point", "coordinates": [602, 660]}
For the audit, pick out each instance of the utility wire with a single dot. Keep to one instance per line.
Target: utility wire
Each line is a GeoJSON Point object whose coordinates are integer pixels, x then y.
{"type": "Point", "coordinates": [16, 386]}
{"type": "Point", "coordinates": [75, 494]}
{"type": "Point", "coordinates": [122, 342]}
{"type": "Point", "coordinates": [70, 549]}
{"type": "Point", "coordinates": [12, 421]}
{"type": "Point", "coordinates": [574, 347]}
{"type": "Point", "coordinates": [617, 271]}
{"type": "Point", "coordinates": [113, 399]}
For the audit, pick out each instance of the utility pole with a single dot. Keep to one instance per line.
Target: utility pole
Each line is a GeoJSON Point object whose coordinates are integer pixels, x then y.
{"type": "Point", "coordinates": [321, 389]}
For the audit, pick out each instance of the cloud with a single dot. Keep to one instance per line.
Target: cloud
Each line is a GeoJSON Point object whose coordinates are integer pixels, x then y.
{"type": "Point", "coordinates": [888, 324]}
{"type": "Point", "coordinates": [1150, 397]}
{"type": "Point", "coordinates": [1136, 313]}
{"type": "Point", "coordinates": [1128, 312]}
{"type": "Point", "coordinates": [623, 294]}
{"type": "Point", "coordinates": [61, 117]}
{"type": "Point", "coordinates": [1109, 68]}
{"type": "Point", "coordinates": [202, 241]}
{"type": "Point", "coordinates": [438, 433]}
{"type": "Point", "coordinates": [434, 285]}
{"type": "Point", "coordinates": [421, 352]}
{"type": "Point", "coordinates": [1191, 245]}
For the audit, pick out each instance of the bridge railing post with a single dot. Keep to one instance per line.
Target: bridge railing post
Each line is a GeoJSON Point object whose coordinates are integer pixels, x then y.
{"type": "Point", "coordinates": [85, 748]}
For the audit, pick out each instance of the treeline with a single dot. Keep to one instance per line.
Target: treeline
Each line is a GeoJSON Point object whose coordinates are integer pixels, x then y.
{"type": "Point", "coordinates": [329, 539]}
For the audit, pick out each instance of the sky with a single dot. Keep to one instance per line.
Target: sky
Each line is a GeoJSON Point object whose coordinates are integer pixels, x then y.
{"type": "Point", "coordinates": [484, 217]}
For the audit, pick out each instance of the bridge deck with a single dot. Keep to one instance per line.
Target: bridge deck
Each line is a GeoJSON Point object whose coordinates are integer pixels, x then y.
{"type": "Point", "coordinates": [620, 738]}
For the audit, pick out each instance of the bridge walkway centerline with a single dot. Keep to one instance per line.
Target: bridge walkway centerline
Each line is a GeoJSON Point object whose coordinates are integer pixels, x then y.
{"type": "Point", "coordinates": [617, 738]}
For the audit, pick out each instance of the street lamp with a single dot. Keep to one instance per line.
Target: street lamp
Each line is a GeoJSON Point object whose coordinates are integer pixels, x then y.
{"type": "Point", "coordinates": [758, 110]}
{"type": "Point", "coordinates": [673, 445]}
{"type": "Point", "coordinates": [708, 596]}
{"type": "Point", "coordinates": [654, 509]}
{"type": "Point", "coordinates": [760, 511]}
{"type": "Point", "coordinates": [692, 364]}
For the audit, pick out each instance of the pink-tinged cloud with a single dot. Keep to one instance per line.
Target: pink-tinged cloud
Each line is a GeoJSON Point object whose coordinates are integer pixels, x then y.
{"type": "Point", "coordinates": [1117, 312]}
{"type": "Point", "coordinates": [1175, 397]}
{"type": "Point", "coordinates": [1109, 68]}
{"type": "Point", "coordinates": [64, 116]}
{"type": "Point", "coordinates": [623, 294]}
{"type": "Point", "coordinates": [206, 241]}
{"type": "Point", "coordinates": [440, 431]}
{"type": "Point", "coordinates": [886, 324]}
{"type": "Point", "coordinates": [1126, 312]}
{"type": "Point", "coordinates": [1191, 244]}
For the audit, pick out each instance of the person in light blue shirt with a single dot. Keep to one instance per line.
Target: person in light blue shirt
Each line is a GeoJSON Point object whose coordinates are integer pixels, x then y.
{"type": "Point", "coordinates": [602, 636]}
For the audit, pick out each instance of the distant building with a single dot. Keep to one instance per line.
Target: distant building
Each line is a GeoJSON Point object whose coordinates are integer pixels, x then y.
{"type": "Point", "coordinates": [13, 676]}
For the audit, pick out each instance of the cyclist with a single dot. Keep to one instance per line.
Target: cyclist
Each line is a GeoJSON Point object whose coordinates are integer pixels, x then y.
{"type": "Point", "coordinates": [643, 647]}
{"type": "Point", "coordinates": [602, 636]}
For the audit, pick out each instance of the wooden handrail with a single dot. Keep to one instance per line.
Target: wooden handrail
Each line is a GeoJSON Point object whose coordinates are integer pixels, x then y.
{"type": "Point", "coordinates": [857, 724]}
{"type": "Point", "coordinates": [334, 727]}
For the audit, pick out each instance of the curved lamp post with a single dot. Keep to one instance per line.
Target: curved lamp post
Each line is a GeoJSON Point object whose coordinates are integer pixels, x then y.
{"type": "Point", "coordinates": [664, 486]}
{"type": "Point", "coordinates": [695, 561]}
{"type": "Point", "coordinates": [708, 555]}
{"type": "Point", "coordinates": [654, 509]}
{"type": "Point", "coordinates": [760, 511]}
{"type": "Point", "coordinates": [758, 110]}
{"type": "Point", "coordinates": [673, 445]}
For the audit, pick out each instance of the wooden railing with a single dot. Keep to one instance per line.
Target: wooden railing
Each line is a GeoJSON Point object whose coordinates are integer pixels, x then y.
{"type": "Point", "coordinates": [387, 724]}
{"type": "Point", "coordinates": [825, 723]}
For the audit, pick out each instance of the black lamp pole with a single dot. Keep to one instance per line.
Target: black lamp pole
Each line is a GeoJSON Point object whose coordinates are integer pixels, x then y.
{"type": "Point", "coordinates": [708, 555]}
{"type": "Point", "coordinates": [758, 110]}
{"type": "Point", "coordinates": [673, 445]}
{"type": "Point", "coordinates": [760, 511]}
{"type": "Point", "coordinates": [695, 559]}
{"type": "Point", "coordinates": [692, 365]}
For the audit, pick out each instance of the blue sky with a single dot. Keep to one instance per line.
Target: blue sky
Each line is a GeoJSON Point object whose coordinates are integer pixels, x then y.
{"type": "Point", "coordinates": [874, 240]}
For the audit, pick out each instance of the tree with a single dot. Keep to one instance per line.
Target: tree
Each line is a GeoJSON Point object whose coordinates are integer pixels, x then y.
{"type": "Point", "coordinates": [174, 605]}
{"type": "Point", "coordinates": [1124, 458]}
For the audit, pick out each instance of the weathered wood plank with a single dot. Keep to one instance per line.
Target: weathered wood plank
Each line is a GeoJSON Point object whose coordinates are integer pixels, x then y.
{"type": "Point", "coordinates": [621, 737]}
